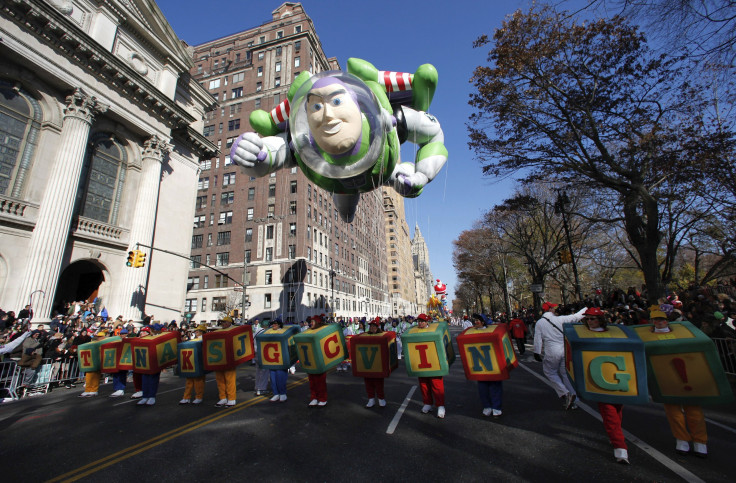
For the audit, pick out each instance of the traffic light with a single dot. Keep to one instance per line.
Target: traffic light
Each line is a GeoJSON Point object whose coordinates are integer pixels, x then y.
{"type": "Point", "coordinates": [131, 259]}
{"type": "Point", "coordinates": [140, 259]}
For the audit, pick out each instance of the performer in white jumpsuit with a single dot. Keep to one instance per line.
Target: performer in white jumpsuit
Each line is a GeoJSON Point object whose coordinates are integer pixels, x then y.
{"type": "Point", "coordinates": [548, 336]}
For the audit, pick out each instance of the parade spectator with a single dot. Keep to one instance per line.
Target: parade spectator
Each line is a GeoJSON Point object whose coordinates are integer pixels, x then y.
{"type": "Point", "coordinates": [518, 330]}
{"type": "Point", "coordinates": [32, 353]}
{"type": "Point", "coordinates": [548, 337]}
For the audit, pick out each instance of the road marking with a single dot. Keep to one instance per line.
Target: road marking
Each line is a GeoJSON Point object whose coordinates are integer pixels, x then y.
{"type": "Point", "coordinates": [400, 412]}
{"type": "Point", "coordinates": [136, 449]}
{"type": "Point", "coordinates": [720, 425]}
{"type": "Point", "coordinates": [676, 468]}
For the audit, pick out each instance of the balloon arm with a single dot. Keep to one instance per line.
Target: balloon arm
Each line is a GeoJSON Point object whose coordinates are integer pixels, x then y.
{"type": "Point", "coordinates": [260, 156]}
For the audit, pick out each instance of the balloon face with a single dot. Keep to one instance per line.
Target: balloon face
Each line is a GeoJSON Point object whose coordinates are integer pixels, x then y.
{"type": "Point", "coordinates": [334, 118]}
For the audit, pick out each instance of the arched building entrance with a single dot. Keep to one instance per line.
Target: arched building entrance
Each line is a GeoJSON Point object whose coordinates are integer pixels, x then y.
{"type": "Point", "coordinates": [82, 280]}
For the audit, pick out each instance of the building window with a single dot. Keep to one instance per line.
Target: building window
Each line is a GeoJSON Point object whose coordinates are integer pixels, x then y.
{"type": "Point", "coordinates": [269, 254]}
{"type": "Point", "coordinates": [223, 238]}
{"type": "Point", "coordinates": [292, 228]}
{"type": "Point", "coordinates": [249, 234]}
{"type": "Point", "coordinates": [297, 61]}
{"type": "Point", "coordinates": [278, 66]}
{"type": "Point", "coordinates": [190, 305]}
{"type": "Point", "coordinates": [226, 218]}
{"type": "Point", "coordinates": [267, 301]}
{"type": "Point", "coordinates": [259, 86]}
{"type": "Point", "coordinates": [227, 198]}
{"type": "Point", "coordinates": [251, 193]}
{"type": "Point", "coordinates": [104, 183]}
{"type": "Point", "coordinates": [249, 214]}
{"type": "Point", "coordinates": [228, 179]}
{"type": "Point", "coordinates": [237, 92]}
{"type": "Point", "coordinates": [297, 45]}
{"type": "Point", "coordinates": [203, 183]}
{"type": "Point", "coordinates": [195, 261]}
{"type": "Point", "coordinates": [269, 277]}
{"type": "Point", "coordinates": [214, 84]}
{"type": "Point", "coordinates": [271, 211]}
{"type": "Point", "coordinates": [259, 71]}
{"type": "Point", "coordinates": [228, 161]}
{"type": "Point", "coordinates": [247, 256]}
{"type": "Point", "coordinates": [206, 283]}
{"type": "Point", "coordinates": [269, 232]}
{"type": "Point", "coordinates": [220, 281]}
{"type": "Point", "coordinates": [292, 207]}
{"type": "Point", "coordinates": [271, 190]}
{"type": "Point", "coordinates": [208, 130]}
{"type": "Point", "coordinates": [201, 202]}
{"type": "Point", "coordinates": [260, 55]}
{"type": "Point", "coordinates": [238, 77]}
{"type": "Point", "coordinates": [193, 283]}
{"type": "Point", "coordinates": [233, 125]}
{"type": "Point", "coordinates": [298, 29]}
{"type": "Point", "coordinates": [292, 252]}
{"type": "Point", "coordinates": [199, 221]}
{"type": "Point", "coordinates": [277, 83]}
{"type": "Point", "coordinates": [218, 304]}
{"type": "Point", "coordinates": [197, 241]}
{"type": "Point", "coordinates": [280, 34]}
{"type": "Point", "coordinates": [261, 39]}
{"type": "Point", "coordinates": [223, 259]}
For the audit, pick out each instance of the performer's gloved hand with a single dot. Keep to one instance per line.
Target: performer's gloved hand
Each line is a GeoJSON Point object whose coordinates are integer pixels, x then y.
{"type": "Point", "coordinates": [537, 357]}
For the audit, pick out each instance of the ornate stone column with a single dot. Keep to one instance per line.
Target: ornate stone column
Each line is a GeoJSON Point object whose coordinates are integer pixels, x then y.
{"type": "Point", "coordinates": [134, 280]}
{"type": "Point", "coordinates": [51, 232]}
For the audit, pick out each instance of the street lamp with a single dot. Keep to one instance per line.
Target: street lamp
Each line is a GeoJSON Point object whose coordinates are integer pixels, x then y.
{"type": "Point", "coordinates": [561, 207]}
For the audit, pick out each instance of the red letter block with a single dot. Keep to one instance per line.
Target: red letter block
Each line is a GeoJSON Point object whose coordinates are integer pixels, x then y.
{"type": "Point", "coordinates": [227, 348]}
{"type": "Point", "coordinates": [110, 355]}
{"type": "Point", "coordinates": [191, 359]}
{"type": "Point", "coordinates": [154, 353]}
{"type": "Point", "coordinates": [374, 355]}
{"type": "Point", "coordinates": [487, 354]}
{"type": "Point", "coordinates": [125, 356]}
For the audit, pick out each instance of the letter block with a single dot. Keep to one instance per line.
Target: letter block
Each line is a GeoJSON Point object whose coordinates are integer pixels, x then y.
{"type": "Point", "coordinates": [487, 354]}
{"type": "Point", "coordinates": [227, 348]}
{"type": "Point", "coordinates": [125, 356]}
{"type": "Point", "coordinates": [90, 354]}
{"type": "Point", "coordinates": [683, 366]}
{"type": "Point", "coordinates": [374, 355]}
{"type": "Point", "coordinates": [152, 354]}
{"type": "Point", "coordinates": [191, 359]}
{"type": "Point", "coordinates": [428, 352]}
{"type": "Point", "coordinates": [276, 348]}
{"type": "Point", "coordinates": [110, 354]}
{"type": "Point", "coordinates": [322, 349]}
{"type": "Point", "coordinates": [607, 366]}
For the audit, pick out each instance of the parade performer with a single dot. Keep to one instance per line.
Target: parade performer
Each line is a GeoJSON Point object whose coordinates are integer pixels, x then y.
{"type": "Point", "coordinates": [433, 388]}
{"type": "Point", "coordinates": [490, 392]}
{"type": "Point", "coordinates": [548, 336]}
{"type": "Point", "coordinates": [594, 319]}
{"type": "Point", "coordinates": [687, 422]}
{"type": "Point", "coordinates": [195, 384]}
{"type": "Point", "coordinates": [518, 330]}
{"type": "Point", "coordinates": [263, 376]}
{"type": "Point", "coordinates": [278, 376]}
{"type": "Point", "coordinates": [226, 379]}
{"type": "Point", "coordinates": [374, 385]}
{"type": "Point", "coordinates": [149, 382]}
{"type": "Point", "coordinates": [345, 130]}
{"type": "Point", "coordinates": [120, 378]}
{"type": "Point", "coordinates": [317, 382]}
{"type": "Point", "coordinates": [92, 378]}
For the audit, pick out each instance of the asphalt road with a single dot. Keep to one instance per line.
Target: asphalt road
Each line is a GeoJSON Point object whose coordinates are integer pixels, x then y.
{"type": "Point", "coordinates": [59, 437]}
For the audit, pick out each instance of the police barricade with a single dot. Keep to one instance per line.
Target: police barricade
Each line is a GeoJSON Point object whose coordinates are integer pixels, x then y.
{"type": "Point", "coordinates": [727, 354]}
{"type": "Point", "coordinates": [9, 377]}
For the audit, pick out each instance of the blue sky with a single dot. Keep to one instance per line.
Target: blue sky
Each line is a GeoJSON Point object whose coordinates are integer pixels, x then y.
{"type": "Point", "coordinates": [395, 35]}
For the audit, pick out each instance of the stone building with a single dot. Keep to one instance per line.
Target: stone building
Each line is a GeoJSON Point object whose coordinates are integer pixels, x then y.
{"type": "Point", "coordinates": [100, 141]}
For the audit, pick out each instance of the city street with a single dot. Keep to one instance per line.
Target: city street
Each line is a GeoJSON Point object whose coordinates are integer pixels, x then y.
{"type": "Point", "coordinates": [59, 437]}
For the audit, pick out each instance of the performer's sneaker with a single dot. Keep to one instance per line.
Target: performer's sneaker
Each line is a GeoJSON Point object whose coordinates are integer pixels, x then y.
{"type": "Point", "coordinates": [282, 397]}
{"type": "Point", "coordinates": [487, 411]}
{"type": "Point", "coordinates": [497, 413]}
{"type": "Point", "coordinates": [621, 455]}
{"type": "Point", "coordinates": [117, 393]}
{"type": "Point", "coordinates": [142, 402]}
{"type": "Point", "coordinates": [137, 395]}
{"type": "Point", "coordinates": [197, 401]}
{"type": "Point", "coordinates": [371, 403]}
{"type": "Point", "coordinates": [151, 401]}
{"type": "Point", "coordinates": [275, 398]}
{"type": "Point", "coordinates": [426, 408]}
{"type": "Point", "coordinates": [184, 401]}
{"type": "Point", "coordinates": [221, 403]}
{"type": "Point", "coordinates": [84, 394]}
{"type": "Point", "coordinates": [682, 447]}
{"type": "Point", "coordinates": [230, 403]}
{"type": "Point", "coordinates": [382, 403]}
{"type": "Point", "coordinates": [441, 412]}
{"type": "Point", "coordinates": [700, 450]}
{"type": "Point", "coordinates": [313, 402]}
{"type": "Point", "coordinates": [322, 403]}
{"type": "Point", "coordinates": [570, 401]}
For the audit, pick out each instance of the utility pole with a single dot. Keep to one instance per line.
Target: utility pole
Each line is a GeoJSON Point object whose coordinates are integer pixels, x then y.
{"type": "Point", "coordinates": [332, 300]}
{"type": "Point", "coordinates": [561, 207]}
{"type": "Point", "coordinates": [244, 299]}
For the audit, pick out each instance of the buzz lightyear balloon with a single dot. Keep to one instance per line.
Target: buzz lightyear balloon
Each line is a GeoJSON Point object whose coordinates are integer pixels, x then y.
{"type": "Point", "coordinates": [344, 131]}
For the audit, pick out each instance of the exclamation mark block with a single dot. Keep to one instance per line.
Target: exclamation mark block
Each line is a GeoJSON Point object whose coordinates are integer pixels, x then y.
{"type": "Point", "coordinates": [679, 364]}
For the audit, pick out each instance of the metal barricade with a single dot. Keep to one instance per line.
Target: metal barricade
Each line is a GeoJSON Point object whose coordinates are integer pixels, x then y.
{"type": "Point", "coordinates": [727, 354]}
{"type": "Point", "coordinates": [9, 377]}
{"type": "Point", "coordinates": [51, 373]}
